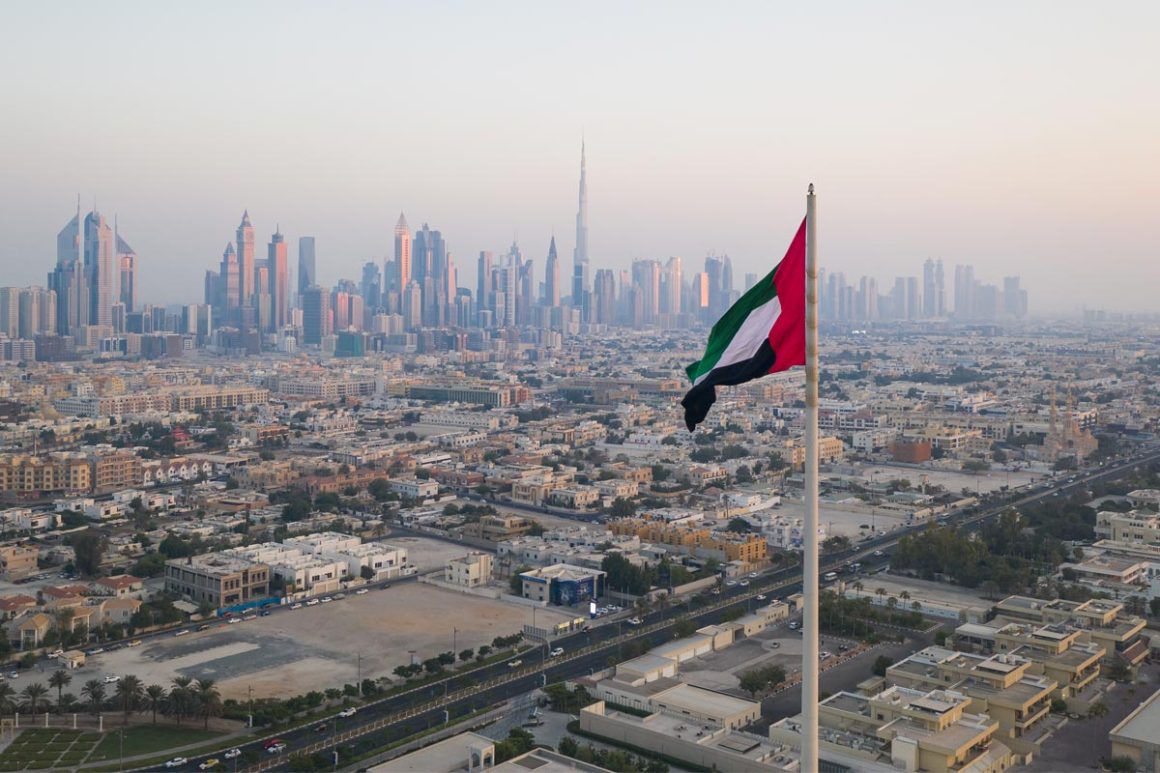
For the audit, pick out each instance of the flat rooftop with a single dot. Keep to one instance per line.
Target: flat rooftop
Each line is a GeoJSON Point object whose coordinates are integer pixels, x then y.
{"type": "Point", "coordinates": [1142, 726]}
{"type": "Point", "coordinates": [447, 756]}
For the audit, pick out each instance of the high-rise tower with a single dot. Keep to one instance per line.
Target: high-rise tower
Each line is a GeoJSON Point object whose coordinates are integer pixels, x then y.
{"type": "Point", "coordinates": [552, 277]}
{"type": "Point", "coordinates": [307, 275]}
{"type": "Point", "coordinates": [245, 244]}
{"type": "Point", "coordinates": [403, 252]}
{"type": "Point", "coordinates": [127, 266]}
{"type": "Point", "coordinates": [580, 286]}
{"type": "Point", "coordinates": [101, 269]}
{"type": "Point", "coordinates": [279, 266]}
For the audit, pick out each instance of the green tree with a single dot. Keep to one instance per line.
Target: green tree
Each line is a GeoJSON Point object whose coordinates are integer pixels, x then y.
{"type": "Point", "coordinates": [209, 699]}
{"type": "Point", "coordinates": [89, 547]}
{"type": "Point", "coordinates": [739, 525]}
{"type": "Point", "coordinates": [881, 663]}
{"type": "Point", "coordinates": [155, 697]}
{"type": "Point", "coordinates": [7, 697]}
{"type": "Point", "coordinates": [622, 508]}
{"type": "Point", "coordinates": [94, 693]}
{"type": "Point", "coordinates": [515, 582]}
{"type": "Point", "coordinates": [128, 693]}
{"type": "Point", "coordinates": [32, 696]}
{"type": "Point", "coordinates": [59, 679]}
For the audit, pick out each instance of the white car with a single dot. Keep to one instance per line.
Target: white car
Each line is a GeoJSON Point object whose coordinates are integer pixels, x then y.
{"type": "Point", "coordinates": [744, 583]}
{"type": "Point", "coordinates": [182, 632]}
{"type": "Point", "coordinates": [793, 624]}
{"type": "Point", "coordinates": [753, 575]}
{"type": "Point", "coordinates": [515, 663]}
{"type": "Point", "coordinates": [112, 679]}
{"type": "Point", "coordinates": [177, 762]}
{"type": "Point", "coordinates": [56, 654]}
{"type": "Point", "coordinates": [312, 602]}
{"type": "Point", "coordinates": [761, 597]}
{"type": "Point", "coordinates": [276, 748]}
{"type": "Point", "coordinates": [634, 621]}
{"type": "Point", "coordinates": [360, 592]}
{"type": "Point", "coordinates": [327, 599]}
{"type": "Point", "coordinates": [557, 652]}
{"type": "Point", "coordinates": [348, 712]}
{"type": "Point", "coordinates": [235, 620]}
{"type": "Point", "coordinates": [232, 753]}
{"type": "Point", "coordinates": [296, 605]}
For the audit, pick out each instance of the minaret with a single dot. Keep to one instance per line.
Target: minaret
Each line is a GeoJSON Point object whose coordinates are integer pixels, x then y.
{"type": "Point", "coordinates": [245, 243]}
{"type": "Point", "coordinates": [580, 286]}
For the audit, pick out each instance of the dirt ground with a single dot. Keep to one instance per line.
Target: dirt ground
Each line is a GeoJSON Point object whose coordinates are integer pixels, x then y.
{"type": "Point", "coordinates": [312, 648]}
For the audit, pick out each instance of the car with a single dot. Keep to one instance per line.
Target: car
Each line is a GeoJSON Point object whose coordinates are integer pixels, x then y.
{"type": "Point", "coordinates": [515, 663]}
{"type": "Point", "coordinates": [731, 583]}
{"type": "Point", "coordinates": [177, 762]}
{"type": "Point", "coordinates": [276, 748]}
{"type": "Point", "coordinates": [112, 679]}
{"type": "Point", "coordinates": [350, 712]}
{"type": "Point", "coordinates": [232, 753]}
{"type": "Point", "coordinates": [233, 620]}
{"type": "Point", "coordinates": [134, 643]}
{"type": "Point", "coordinates": [744, 583]}
{"type": "Point", "coordinates": [203, 627]}
{"type": "Point", "coordinates": [209, 764]}
{"type": "Point", "coordinates": [296, 605]}
{"type": "Point", "coordinates": [360, 592]}
{"type": "Point", "coordinates": [182, 632]}
{"type": "Point", "coordinates": [793, 624]}
{"type": "Point", "coordinates": [56, 654]}
{"type": "Point", "coordinates": [272, 742]}
{"type": "Point", "coordinates": [879, 553]}
{"type": "Point", "coordinates": [95, 651]}
{"type": "Point", "coordinates": [773, 645]}
{"type": "Point", "coordinates": [761, 597]}
{"type": "Point", "coordinates": [716, 591]}
{"type": "Point", "coordinates": [338, 596]}
{"type": "Point", "coordinates": [312, 602]}
{"type": "Point", "coordinates": [823, 655]}
{"type": "Point", "coordinates": [264, 613]}
{"type": "Point", "coordinates": [556, 652]}
{"type": "Point", "coordinates": [753, 575]}
{"type": "Point", "coordinates": [13, 675]}
{"type": "Point", "coordinates": [321, 728]}
{"type": "Point", "coordinates": [843, 647]}
{"type": "Point", "coordinates": [327, 599]}
{"type": "Point", "coordinates": [634, 621]}
{"type": "Point", "coordinates": [250, 617]}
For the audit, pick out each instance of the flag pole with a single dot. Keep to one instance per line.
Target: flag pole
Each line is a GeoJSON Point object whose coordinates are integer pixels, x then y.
{"type": "Point", "coordinates": [810, 666]}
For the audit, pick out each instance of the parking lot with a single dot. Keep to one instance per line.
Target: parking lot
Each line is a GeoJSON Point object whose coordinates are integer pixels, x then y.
{"type": "Point", "coordinates": [312, 648]}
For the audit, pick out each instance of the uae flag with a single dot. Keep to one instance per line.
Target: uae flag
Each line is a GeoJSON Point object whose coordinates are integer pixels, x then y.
{"type": "Point", "coordinates": [764, 332]}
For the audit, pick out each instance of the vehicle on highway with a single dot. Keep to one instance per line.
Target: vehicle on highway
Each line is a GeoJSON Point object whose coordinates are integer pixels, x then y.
{"type": "Point", "coordinates": [879, 553]}
{"type": "Point", "coordinates": [177, 762]}
{"type": "Point", "coordinates": [232, 753]}
{"type": "Point", "coordinates": [184, 631]}
{"type": "Point", "coordinates": [296, 605]}
{"type": "Point", "coordinates": [209, 764]}
{"type": "Point", "coordinates": [556, 652]}
{"type": "Point", "coordinates": [761, 597]}
{"type": "Point", "coordinates": [515, 663]}
{"type": "Point", "coordinates": [744, 583]}
{"type": "Point", "coordinates": [321, 728]}
{"type": "Point", "coordinates": [731, 583]}
{"type": "Point", "coordinates": [350, 712]}
{"type": "Point", "coordinates": [634, 621]}
{"type": "Point", "coordinates": [277, 748]}
{"type": "Point", "coordinates": [95, 651]}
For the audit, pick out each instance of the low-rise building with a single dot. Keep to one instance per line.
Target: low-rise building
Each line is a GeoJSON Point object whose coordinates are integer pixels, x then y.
{"type": "Point", "coordinates": [562, 584]}
{"type": "Point", "coordinates": [217, 579]}
{"type": "Point", "coordinates": [17, 562]}
{"type": "Point", "coordinates": [1137, 737]}
{"type": "Point", "coordinates": [470, 571]}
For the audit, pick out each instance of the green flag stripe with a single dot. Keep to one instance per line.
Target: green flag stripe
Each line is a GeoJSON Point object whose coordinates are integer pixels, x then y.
{"type": "Point", "coordinates": [722, 333]}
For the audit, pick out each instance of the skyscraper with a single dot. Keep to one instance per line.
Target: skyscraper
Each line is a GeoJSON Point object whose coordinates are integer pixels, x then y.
{"type": "Point", "coordinates": [673, 279]}
{"type": "Point", "coordinates": [940, 290]}
{"type": "Point", "coordinates": [245, 242]}
{"type": "Point", "coordinates": [278, 263]}
{"type": "Point", "coordinates": [101, 269]}
{"type": "Point", "coordinates": [485, 286]}
{"type": "Point", "coordinates": [403, 252]}
{"type": "Point", "coordinates": [127, 265]}
{"type": "Point", "coordinates": [68, 278]}
{"type": "Point", "coordinates": [552, 277]}
{"type": "Point", "coordinates": [929, 293]}
{"type": "Point", "coordinates": [580, 286]}
{"type": "Point", "coordinates": [316, 319]}
{"type": "Point", "coordinates": [307, 274]}
{"type": "Point", "coordinates": [370, 285]}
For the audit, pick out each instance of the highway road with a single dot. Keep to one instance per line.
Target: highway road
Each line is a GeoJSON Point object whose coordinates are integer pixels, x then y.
{"type": "Point", "coordinates": [401, 715]}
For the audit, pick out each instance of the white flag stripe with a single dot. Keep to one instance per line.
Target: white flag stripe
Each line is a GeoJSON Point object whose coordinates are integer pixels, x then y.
{"type": "Point", "coordinates": [748, 338]}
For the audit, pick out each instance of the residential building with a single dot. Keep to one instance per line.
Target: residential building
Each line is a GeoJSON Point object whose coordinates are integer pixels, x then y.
{"type": "Point", "coordinates": [470, 571]}
{"type": "Point", "coordinates": [563, 584]}
{"type": "Point", "coordinates": [217, 579]}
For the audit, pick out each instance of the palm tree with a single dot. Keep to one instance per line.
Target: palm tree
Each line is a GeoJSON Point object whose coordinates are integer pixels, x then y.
{"type": "Point", "coordinates": [59, 679]}
{"type": "Point", "coordinates": [916, 606]}
{"type": "Point", "coordinates": [209, 699]}
{"type": "Point", "coordinates": [859, 586]}
{"type": "Point", "coordinates": [129, 691]}
{"type": "Point", "coordinates": [180, 698]}
{"type": "Point", "coordinates": [33, 694]}
{"type": "Point", "coordinates": [881, 591]}
{"type": "Point", "coordinates": [155, 694]}
{"type": "Point", "coordinates": [905, 595]}
{"type": "Point", "coordinates": [892, 602]}
{"type": "Point", "coordinates": [94, 693]}
{"type": "Point", "coordinates": [7, 693]}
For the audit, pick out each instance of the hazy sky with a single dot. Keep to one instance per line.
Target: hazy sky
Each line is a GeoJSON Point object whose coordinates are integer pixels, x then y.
{"type": "Point", "coordinates": [1020, 136]}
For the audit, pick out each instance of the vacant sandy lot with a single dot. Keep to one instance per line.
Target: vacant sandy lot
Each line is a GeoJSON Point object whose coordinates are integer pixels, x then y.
{"type": "Point", "coordinates": [313, 648]}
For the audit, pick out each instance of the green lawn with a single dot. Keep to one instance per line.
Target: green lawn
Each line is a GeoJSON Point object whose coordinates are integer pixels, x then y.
{"type": "Point", "coordinates": [146, 739]}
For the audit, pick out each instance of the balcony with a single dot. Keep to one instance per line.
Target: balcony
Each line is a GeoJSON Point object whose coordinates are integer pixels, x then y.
{"type": "Point", "coordinates": [1032, 716]}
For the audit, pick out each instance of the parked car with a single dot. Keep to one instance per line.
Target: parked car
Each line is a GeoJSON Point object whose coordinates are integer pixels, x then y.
{"type": "Point", "coordinates": [134, 643]}
{"type": "Point", "coordinates": [312, 602]}
{"type": "Point", "coordinates": [296, 605]}
{"type": "Point", "coordinates": [183, 632]}
{"type": "Point", "coordinates": [233, 620]}
{"type": "Point", "coordinates": [177, 762]}
{"type": "Point", "coordinates": [326, 599]}
{"type": "Point", "coordinates": [793, 624]}
{"type": "Point", "coordinates": [338, 596]}
{"type": "Point", "coordinates": [731, 583]}
{"type": "Point", "coordinates": [112, 679]}
{"type": "Point", "coordinates": [264, 613]}
{"type": "Point", "coordinates": [360, 592]}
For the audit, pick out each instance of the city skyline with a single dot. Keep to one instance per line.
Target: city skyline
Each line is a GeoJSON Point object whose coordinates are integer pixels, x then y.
{"type": "Point", "coordinates": [1033, 156]}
